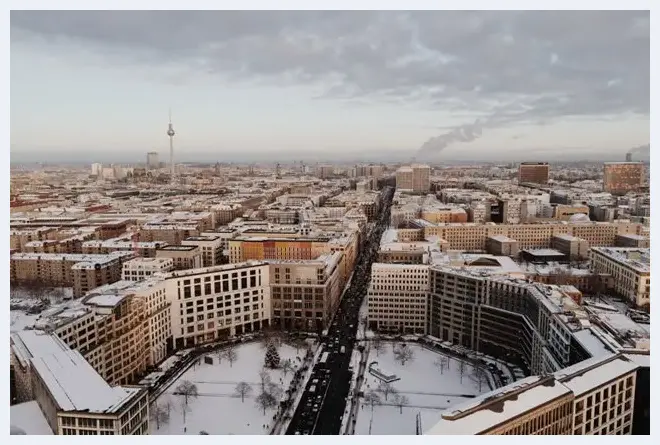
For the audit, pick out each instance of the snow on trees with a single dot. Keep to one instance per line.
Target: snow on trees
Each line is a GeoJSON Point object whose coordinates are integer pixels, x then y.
{"type": "Point", "coordinates": [462, 368]}
{"type": "Point", "coordinates": [287, 367]}
{"type": "Point", "coordinates": [401, 401]}
{"type": "Point", "coordinates": [386, 388]}
{"type": "Point", "coordinates": [264, 379]}
{"type": "Point", "coordinates": [229, 353]}
{"type": "Point", "coordinates": [243, 389]}
{"type": "Point", "coordinates": [372, 399]}
{"type": "Point", "coordinates": [266, 400]}
{"type": "Point", "coordinates": [160, 414]}
{"type": "Point", "coordinates": [377, 344]}
{"type": "Point", "coordinates": [272, 358]}
{"type": "Point", "coordinates": [442, 363]}
{"type": "Point", "coordinates": [186, 389]}
{"type": "Point", "coordinates": [403, 353]}
{"type": "Point", "coordinates": [479, 376]}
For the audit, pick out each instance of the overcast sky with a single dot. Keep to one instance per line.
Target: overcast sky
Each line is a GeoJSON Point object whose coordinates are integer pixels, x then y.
{"type": "Point", "coordinates": [454, 84]}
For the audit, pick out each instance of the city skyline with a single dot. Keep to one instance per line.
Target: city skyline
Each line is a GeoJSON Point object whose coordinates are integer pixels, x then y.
{"type": "Point", "coordinates": [464, 85]}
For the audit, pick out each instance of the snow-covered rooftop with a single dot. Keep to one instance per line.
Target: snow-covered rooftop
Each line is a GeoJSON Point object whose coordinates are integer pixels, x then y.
{"type": "Point", "coordinates": [592, 343]}
{"type": "Point", "coordinates": [580, 380]}
{"type": "Point", "coordinates": [71, 381]}
{"type": "Point", "coordinates": [487, 411]}
{"type": "Point", "coordinates": [494, 408]}
{"type": "Point", "coordinates": [638, 259]}
{"type": "Point", "coordinates": [28, 418]}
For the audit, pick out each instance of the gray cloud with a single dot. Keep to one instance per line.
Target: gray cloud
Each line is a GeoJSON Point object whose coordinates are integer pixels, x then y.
{"type": "Point", "coordinates": [504, 68]}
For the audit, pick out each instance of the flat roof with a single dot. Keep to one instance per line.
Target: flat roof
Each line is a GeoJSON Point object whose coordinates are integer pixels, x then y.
{"type": "Point", "coordinates": [70, 379]}
{"type": "Point", "coordinates": [496, 407]}
{"type": "Point", "coordinates": [29, 419]}
{"type": "Point", "coordinates": [580, 380]}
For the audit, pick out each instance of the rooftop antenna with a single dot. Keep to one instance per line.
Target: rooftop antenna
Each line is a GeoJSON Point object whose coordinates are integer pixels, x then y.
{"type": "Point", "coordinates": [171, 133]}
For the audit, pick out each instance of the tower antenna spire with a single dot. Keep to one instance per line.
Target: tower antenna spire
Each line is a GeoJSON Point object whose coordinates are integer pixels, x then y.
{"type": "Point", "coordinates": [171, 133]}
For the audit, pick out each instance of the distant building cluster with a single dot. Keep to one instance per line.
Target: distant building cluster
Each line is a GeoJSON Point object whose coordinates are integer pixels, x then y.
{"type": "Point", "coordinates": [547, 269]}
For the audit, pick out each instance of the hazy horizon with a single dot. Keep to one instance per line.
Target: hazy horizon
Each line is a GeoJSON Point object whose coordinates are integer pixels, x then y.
{"type": "Point", "coordinates": [431, 85]}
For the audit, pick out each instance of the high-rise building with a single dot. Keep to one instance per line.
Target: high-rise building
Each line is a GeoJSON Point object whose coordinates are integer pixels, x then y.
{"type": "Point", "coordinates": [414, 178]}
{"type": "Point", "coordinates": [533, 172]}
{"type": "Point", "coordinates": [152, 160]}
{"type": "Point", "coordinates": [325, 171]}
{"type": "Point", "coordinates": [620, 178]}
{"type": "Point", "coordinates": [97, 169]}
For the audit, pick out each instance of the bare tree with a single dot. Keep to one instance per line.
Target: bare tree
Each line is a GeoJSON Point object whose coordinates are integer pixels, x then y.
{"type": "Point", "coordinates": [185, 409]}
{"type": "Point", "coordinates": [243, 389]}
{"type": "Point", "coordinates": [264, 380]}
{"type": "Point", "coordinates": [442, 363]}
{"type": "Point", "coordinates": [266, 400]}
{"type": "Point", "coordinates": [275, 390]}
{"type": "Point", "coordinates": [372, 399]}
{"type": "Point", "coordinates": [462, 367]}
{"type": "Point", "coordinates": [230, 354]}
{"type": "Point", "coordinates": [479, 376]}
{"type": "Point", "coordinates": [404, 353]}
{"type": "Point", "coordinates": [386, 388]}
{"type": "Point", "coordinates": [186, 389]}
{"type": "Point", "coordinates": [287, 366]}
{"type": "Point", "coordinates": [400, 400]}
{"type": "Point", "coordinates": [378, 345]}
{"type": "Point", "coordinates": [159, 414]}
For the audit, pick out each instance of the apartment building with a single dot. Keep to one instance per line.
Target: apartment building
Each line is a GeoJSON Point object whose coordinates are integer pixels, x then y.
{"type": "Point", "coordinates": [183, 257]}
{"type": "Point", "coordinates": [244, 248]}
{"type": "Point", "coordinates": [226, 213]}
{"type": "Point", "coordinates": [639, 241]}
{"type": "Point", "coordinates": [144, 249]}
{"type": "Point", "coordinates": [121, 329]}
{"type": "Point", "coordinates": [325, 171]}
{"type": "Point", "coordinates": [215, 303]}
{"type": "Point", "coordinates": [172, 234]}
{"type": "Point", "coordinates": [444, 215]}
{"type": "Point", "coordinates": [414, 178]}
{"type": "Point", "coordinates": [305, 294]}
{"type": "Point", "coordinates": [82, 272]}
{"type": "Point", "coordinates": [575, 248]}
{"type": "Point", "coordinates": [472, 237]}
{"type": "Point", "coordinates": [19, 238]}
{"type": "Point", "coordinates": [620, 178]}
{"type": "Point", "coordinates": [630, 269]}
{"type": "Point", "coordinates": [595, 397]}
{"type": "Point", "coordinates": [502, 245]}
{"type": "Point", "coordinates": [397, 298]}
{"type": "Point", "coordinates": [72, 397]}
{"type": "Point", "coordinates": [71, 244]}
{"type": "Point", "coordinates": [211, 248]}
{"type": "Point", "coordinates": [139, 269]}
{"type": "Point", "coordinates": [534, 172]}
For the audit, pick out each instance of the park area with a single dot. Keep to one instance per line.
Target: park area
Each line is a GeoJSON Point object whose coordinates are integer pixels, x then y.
{"type": "Point", "coordinates": [414, 385]}
{"type": "Point", "coordinates": [235, 390]}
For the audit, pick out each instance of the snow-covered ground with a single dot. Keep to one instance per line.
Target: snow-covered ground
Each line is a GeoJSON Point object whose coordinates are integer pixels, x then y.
{"type": "Point", "coordinates": [25, 308]}
{"type": "Point", "coordinates": [218, 409]}
{"type": "Point", "coordinates": [428, 391]}
{"type": "Point", "coordinates": [19, 320]}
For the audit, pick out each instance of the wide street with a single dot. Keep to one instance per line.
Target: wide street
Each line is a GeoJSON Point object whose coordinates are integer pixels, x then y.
{"type": "Point", "coordinates": [323, 403]}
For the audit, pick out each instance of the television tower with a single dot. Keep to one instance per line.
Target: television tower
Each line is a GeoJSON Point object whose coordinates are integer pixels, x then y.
{"type": "Point", "coordinates": [170, 133]}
